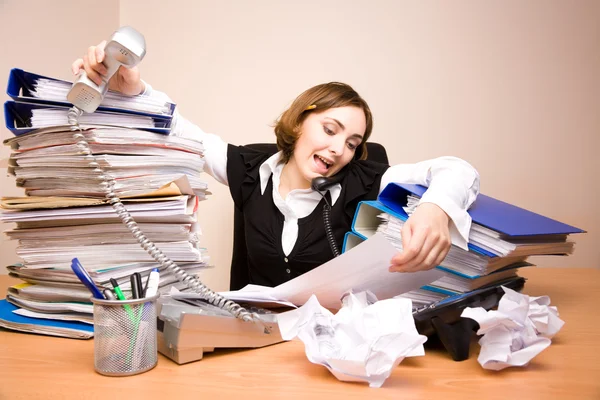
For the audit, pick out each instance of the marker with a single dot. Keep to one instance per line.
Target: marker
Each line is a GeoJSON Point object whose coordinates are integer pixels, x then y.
{"type": "Point", "coordinates": [85, 278]}
{"type": "Point", "coordinates": [136, 285]}
{"type": "Point", "coordinates": [118, 291]}
{"type": "Point", "coordinates": [152, 285]}
{"type": "Point", "coordinates": [140, 285]}
{"type": "Point", "coordinates": [121, 296]}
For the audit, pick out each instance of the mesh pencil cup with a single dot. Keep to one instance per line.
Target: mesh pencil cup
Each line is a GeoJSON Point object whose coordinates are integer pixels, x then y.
{"type": "Point", "coordinates": [125, 336]}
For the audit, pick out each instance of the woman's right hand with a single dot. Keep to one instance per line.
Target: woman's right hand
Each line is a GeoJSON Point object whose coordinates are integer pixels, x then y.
{"type": "Point", "coordinates": [125, 80]}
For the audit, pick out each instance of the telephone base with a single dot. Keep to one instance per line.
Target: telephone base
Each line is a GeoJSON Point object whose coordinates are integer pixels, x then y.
{"type": "Point", "coordinates": [181, 355]}
{"type": "Point", "coordinates": [190, 336]}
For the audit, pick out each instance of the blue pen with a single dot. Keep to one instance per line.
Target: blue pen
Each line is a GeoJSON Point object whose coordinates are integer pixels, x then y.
{"type": "Point", "coordinates": [85, 278]}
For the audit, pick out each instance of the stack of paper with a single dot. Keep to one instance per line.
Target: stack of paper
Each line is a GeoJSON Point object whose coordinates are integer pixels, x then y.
{"type": "Point", "coordinates": [65, 214]}
{"type": "Point", "coordinates": [465, 271]}
{"type": "Point", "coordinates": [50, 163]}
{"type": "Point", "coordinates": [12, 317]}
{"type": "Point", "coordinates": [501, 239]}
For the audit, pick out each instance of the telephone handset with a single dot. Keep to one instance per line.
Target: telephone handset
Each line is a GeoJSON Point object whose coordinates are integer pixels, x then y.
{"type": "Point", "coordinates": [127, 47]}
{"type": "Point", "coordinates": [321, 184]}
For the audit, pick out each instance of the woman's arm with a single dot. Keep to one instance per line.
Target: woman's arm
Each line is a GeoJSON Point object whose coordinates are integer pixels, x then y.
{"type": "Point", "coordinates": [453, 185]}
{"type": "Point", "coordinates": [215, 149]}
{"type": "Point", "coordinates": [128, 81]}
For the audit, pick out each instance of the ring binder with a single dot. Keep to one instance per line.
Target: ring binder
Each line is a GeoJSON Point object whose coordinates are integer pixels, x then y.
{"type": "Point", "coordinates": [17, 117]}
{"type": "Point", "coordinates": [504, 235]}
{"type": "Point", "coordinates": [21, 87]}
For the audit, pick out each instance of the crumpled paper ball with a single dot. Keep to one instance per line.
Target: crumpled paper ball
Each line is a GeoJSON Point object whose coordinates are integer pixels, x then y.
{"type": "Point", "coordinates": [363, 342]}
{"type": "Point", "coordinates": [518, 331]}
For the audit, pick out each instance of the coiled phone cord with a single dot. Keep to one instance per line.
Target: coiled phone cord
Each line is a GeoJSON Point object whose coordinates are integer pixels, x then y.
{"type": "Point", "coordinates": [328, 229]}
{"type": "Point", "coordinates": [107, 184]}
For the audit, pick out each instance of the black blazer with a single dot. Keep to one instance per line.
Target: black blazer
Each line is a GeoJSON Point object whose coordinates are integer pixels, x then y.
{"type": "Point", "coordinates": [239, 263]}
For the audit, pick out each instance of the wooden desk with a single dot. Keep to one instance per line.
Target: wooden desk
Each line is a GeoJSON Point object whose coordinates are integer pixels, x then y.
{"type": "Point", "coordinates": [39, 367]}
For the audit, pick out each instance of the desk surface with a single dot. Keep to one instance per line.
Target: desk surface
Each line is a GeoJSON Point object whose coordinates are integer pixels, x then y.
{"type": "Point", "coordinates": [33, 366]}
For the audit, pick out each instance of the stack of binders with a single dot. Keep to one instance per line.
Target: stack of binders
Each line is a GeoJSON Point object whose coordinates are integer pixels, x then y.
{"type": "Point", "coordinates": [501, 239]}
{"type": "Point", "coordinates": [65, 214]}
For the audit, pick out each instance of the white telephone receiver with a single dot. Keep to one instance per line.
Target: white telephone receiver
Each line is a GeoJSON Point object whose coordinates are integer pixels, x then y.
{"type": "Point", "coordinates": [126, 47]}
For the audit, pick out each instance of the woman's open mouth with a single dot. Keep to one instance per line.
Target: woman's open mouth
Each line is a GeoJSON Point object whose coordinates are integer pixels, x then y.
{"type": "Point", "coordinates": [322, 164]}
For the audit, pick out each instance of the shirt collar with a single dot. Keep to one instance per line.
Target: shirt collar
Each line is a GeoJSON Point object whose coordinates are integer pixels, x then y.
{"type": "Point", "coordinates": [273, 165]}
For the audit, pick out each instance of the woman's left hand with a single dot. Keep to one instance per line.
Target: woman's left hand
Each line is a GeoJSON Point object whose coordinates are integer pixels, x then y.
{"type": "Point", "coordinates": [425, 240]}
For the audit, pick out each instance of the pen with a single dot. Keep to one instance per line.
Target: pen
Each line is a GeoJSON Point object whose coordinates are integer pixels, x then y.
{"type": "Point", "coordinates": [121, 296]}
{"type": "Point", "coordinates": [85, 278]}
{"type": "Point", "coordinates": [109, 294]}
{"type": "Point", "coordinates": [148, 281]}
{"type": "Point", "coordinates": [152, 284]}
{"type": "Point", "coordinates": [118, 291]}
{"type": "Point", "coordinates": [146, 285]}
{"type": "Point", "coordinates": [136, 285]}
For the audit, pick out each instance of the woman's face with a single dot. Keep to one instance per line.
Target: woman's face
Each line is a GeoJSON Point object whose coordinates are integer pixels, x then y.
{"type": "Point", "coordinates": [328, 140]}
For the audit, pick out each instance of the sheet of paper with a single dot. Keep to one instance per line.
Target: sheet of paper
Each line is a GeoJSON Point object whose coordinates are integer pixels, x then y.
{"type": "Point", "coordinates": [178, 187]}
{"type": "Point", "coordinates": [182, 204]}
{"type": "Point", "coordinates": [256, 298]}
{"type": "Point", "coordinates": [365, 267]}
{"type": "Point", "coordinates": [85, 318]}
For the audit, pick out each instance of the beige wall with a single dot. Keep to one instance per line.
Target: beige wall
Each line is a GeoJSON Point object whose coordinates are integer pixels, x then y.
{"type": "Point", "coordinates": [44, 37]}
{"type": "Point", "coordinates": [512, 87]}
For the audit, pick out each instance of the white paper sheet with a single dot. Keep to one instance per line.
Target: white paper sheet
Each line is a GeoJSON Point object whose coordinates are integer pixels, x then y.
{"type": "Point", "coordinates": [363, 342]}
{"type": "Point", "coordinates": [519, 330]}
{"type": "Point", "coordinates": [365, 267]}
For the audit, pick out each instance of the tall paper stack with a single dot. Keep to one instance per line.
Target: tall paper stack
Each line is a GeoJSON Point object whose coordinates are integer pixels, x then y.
{"type": "Point", "coordinates": [65, 215]}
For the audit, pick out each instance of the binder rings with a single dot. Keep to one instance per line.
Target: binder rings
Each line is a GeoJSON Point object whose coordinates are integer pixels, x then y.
{"type": "Point", "coordinates": [21, 84]}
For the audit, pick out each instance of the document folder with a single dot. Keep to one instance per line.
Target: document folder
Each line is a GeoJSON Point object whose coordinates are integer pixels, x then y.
{"type": "Point", "coordinates": [507, 219]}
{"type": "Point", "coordinates": [17, 117]}
{"type": "Point", "coordinates": [365, 222]}
{"type": "Point", "coordinates": [21, 84]}
{"type": "Point", "coordinates": [70, 329]}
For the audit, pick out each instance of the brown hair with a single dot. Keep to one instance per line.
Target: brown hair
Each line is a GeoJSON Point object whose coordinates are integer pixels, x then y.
{"type": "Point", "coordinates": [324, 96]}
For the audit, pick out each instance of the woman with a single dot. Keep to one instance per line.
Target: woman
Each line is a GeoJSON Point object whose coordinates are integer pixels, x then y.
{"type": "Point", "coordinates": [322, 134]}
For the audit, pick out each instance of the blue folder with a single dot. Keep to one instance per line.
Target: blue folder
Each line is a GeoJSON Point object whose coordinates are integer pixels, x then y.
{"type": "Point", "coordinates": [20, 86]}
{"type": "Point", "coordinates": [351, 239]}
{"type": "Point", "coordinates": [508, 220]}
{"type": "Point", "coordinates": [17, 116]}
{"type": "Point", "coordinates": [395, 209]}
{"type": "Point", "coordinates": [10, 320]}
